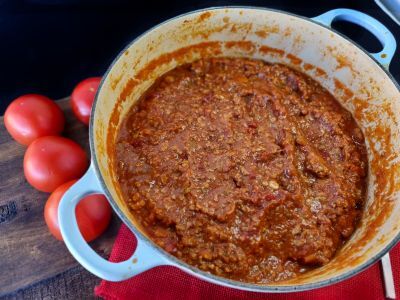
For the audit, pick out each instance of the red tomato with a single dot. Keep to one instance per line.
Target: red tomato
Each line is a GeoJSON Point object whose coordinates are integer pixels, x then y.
{"type": "Point", "coordinates": [82, 98]}
{"type": "Point", "coordinates": [53, 160]}
{"type": "Point", "coordinates": [31, 116]}
{"type": "Point", "coordinates": [93, 213]}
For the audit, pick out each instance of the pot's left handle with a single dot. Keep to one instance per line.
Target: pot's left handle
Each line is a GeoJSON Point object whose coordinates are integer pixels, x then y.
{"type": "Point", "coordinates": [144, 258]}
{"type": "Point", "coordinates": [379, 30]}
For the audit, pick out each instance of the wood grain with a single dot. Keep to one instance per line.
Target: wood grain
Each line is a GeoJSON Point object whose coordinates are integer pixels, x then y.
{"type": "Point", "coordinates": [29, 253]}
{"type": "Point", "coordinates": [74, 284]}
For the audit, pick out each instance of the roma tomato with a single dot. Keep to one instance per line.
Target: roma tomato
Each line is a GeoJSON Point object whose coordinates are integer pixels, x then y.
{"type": "Point", "coordinates": [31, 116]}
{"type": "Point", "coordinates": [53, 160]}
{"type": "Point", "coordinates": [93, 213]}
{"type": "Point", "coordinates": [82, 98]}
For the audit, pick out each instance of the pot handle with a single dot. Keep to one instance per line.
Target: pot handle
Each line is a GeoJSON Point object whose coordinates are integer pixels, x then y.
{"type": "Point", "coordinates": [144, 258]}
{"type": "Point", "coordinates": [379, 30]}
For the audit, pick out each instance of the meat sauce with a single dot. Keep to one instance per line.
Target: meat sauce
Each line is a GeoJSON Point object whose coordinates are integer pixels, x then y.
{"type": "Point", "coordinates": [244, 169]}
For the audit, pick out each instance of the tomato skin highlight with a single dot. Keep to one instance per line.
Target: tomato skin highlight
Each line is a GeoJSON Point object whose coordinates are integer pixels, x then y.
{"type": "Point", "coordinates": [82, 98]}
{"type": "Point", "coordinates": [53, 160]}
{"type": "Point", "coordinates": [32, 116]}
{"type": "Point", "coordinates": [93, 213]}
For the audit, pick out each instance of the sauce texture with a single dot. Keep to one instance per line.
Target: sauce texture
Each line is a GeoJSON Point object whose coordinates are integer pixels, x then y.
{"type": "Point", "coordinates": [248, 170]}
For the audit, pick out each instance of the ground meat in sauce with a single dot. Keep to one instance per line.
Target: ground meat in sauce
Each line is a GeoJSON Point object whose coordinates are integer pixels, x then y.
{"type": "Point", "coordinates": [245, 169]}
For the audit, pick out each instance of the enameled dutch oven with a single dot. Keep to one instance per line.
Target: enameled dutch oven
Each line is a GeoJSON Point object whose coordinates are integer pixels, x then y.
{"type": "Point", "coordinates": [359, 80]}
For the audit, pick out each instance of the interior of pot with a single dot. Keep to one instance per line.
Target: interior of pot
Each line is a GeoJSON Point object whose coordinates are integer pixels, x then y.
{"type": "Point", "coordinates": [361, 86]}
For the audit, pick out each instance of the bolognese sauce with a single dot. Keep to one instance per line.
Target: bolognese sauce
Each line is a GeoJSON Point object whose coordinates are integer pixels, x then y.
{"type": "Point", "coordinates": [245, 169]}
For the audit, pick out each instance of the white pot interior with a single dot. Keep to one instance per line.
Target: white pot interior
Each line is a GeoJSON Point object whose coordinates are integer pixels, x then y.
{"type": "Point", "coordinates": [346, 71]}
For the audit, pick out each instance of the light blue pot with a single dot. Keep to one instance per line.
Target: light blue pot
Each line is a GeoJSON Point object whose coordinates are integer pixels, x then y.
{"type": "Point", "coordinates": [315, 44]}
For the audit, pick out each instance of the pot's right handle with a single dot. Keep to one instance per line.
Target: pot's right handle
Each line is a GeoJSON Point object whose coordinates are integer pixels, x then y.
{"type": "Point", "coordinates": [369, 23]}
{"type": "Point", "coordinates": [144, 258]}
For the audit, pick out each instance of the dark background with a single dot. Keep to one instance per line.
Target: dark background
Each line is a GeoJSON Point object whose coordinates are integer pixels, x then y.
{"type": "Point", "coordinates": [47, 46]}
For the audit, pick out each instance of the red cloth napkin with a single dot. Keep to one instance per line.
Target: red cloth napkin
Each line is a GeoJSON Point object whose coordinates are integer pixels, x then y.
{"type": "Point", "coordinates": [171, 283]}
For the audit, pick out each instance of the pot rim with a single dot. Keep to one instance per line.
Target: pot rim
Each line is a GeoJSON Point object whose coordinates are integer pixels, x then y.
{"type": "Point", "coordinates": [184, 266]}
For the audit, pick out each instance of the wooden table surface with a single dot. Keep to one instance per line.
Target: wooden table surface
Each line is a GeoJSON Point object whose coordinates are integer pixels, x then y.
{"type": "Point", "coordinates": [34, 265]}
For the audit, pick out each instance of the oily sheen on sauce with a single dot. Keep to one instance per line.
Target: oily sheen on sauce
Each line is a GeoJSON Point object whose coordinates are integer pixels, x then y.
{"type": "Point", "coordinates": [245, 169]}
